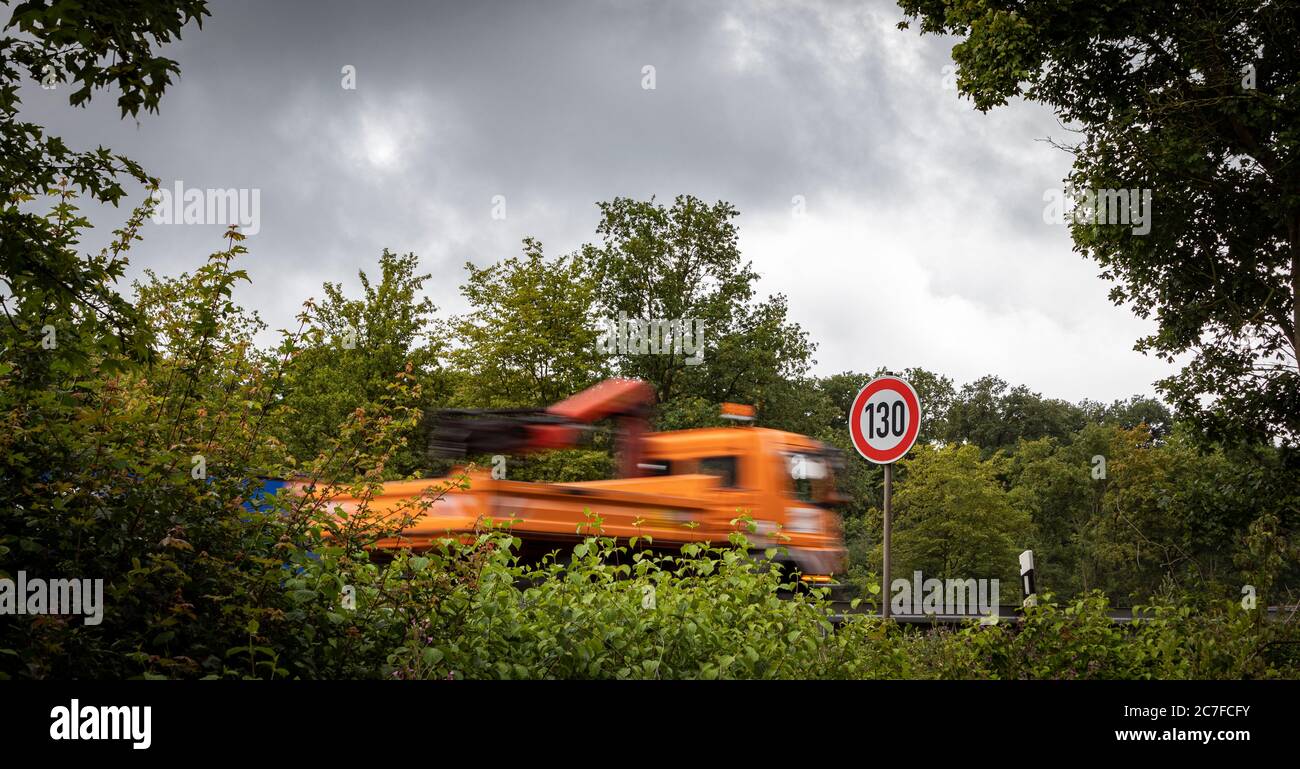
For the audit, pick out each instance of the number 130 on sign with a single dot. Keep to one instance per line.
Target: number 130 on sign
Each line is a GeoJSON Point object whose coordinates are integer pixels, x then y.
{"type": "Point", "coordinates": [884, 419]}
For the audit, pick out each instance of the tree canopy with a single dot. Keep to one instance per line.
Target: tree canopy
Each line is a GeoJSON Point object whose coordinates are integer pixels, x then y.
{"type": "Point", "coordinates": [1195, 102]}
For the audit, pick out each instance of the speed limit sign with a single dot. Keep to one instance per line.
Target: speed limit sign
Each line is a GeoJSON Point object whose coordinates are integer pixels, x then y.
{"type": "Point", "coordinates": [883, 423]}
{"type": "Point", "coordinates": [885, 419]}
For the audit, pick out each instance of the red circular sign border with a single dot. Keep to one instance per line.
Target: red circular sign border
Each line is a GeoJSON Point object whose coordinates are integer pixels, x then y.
{"type": "Point", "coordinates": [855, 419]}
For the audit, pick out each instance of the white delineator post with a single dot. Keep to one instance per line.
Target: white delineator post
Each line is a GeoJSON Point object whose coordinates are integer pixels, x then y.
{"type": "Point", "coordinates": [1027, 578]}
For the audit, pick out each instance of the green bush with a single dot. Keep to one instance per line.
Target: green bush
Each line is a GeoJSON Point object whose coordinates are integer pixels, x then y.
{"type": "Point", "coordinates": [621, 611]}
{"type": "Point", "coordinates": [614, 611]}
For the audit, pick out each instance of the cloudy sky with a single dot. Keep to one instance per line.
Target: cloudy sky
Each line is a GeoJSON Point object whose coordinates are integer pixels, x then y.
{"type": "Point", "coordinates": [922, 240]}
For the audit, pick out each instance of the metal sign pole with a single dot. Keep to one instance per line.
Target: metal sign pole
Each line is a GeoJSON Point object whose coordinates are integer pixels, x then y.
{"type": "Point", "coordinates": [884, 592]}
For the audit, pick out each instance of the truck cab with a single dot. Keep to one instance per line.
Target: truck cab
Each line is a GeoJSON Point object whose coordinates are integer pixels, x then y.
{"type": "Point", "coordinates": [784, 481]}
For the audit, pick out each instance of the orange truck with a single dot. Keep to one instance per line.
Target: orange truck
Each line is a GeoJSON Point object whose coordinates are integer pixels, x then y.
{"type": "Point", "coordinates": [677, 487]}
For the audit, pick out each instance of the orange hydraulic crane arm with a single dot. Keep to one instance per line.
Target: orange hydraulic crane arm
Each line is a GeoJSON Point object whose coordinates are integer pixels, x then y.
{"type": "Point", "coordinates": [612, 397]}
{"type": "Point", "coordinates": [559, 426]}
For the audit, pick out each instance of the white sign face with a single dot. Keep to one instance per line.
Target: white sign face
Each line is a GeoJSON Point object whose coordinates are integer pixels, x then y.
{"type": "Point", "coordinates": [884, 419]}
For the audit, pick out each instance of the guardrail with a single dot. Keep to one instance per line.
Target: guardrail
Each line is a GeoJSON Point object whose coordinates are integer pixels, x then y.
{"type": "Point", "coordinates": [1012, 613]}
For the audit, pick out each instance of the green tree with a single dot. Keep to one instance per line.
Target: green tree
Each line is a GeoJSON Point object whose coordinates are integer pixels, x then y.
{"type": "Point", "coordinates": [1172, 515]}
{"type": "Point", "coordinates": [993, 415]}
{"type": "Point", "coordinates": [955, 519]}
{"type": "Point", "coordinates": [529, 339]}
{"type": "Point", "coordinates": [353, 351]}
{"type": "Point", "coordinates": [1137, 411]}
{"type": "Point", "coordinates": [1118, 511]}
{"type": "Point", "coordinates": [148, 475]}
{"type": "Point", "coordinates": [88, 46]}
{"type": "Point", "coordinates": [1196, 102]}
{"type": "Point", "coordinates": [1056, 489]}
{"type": "Point", "coordinates": [682, 262]}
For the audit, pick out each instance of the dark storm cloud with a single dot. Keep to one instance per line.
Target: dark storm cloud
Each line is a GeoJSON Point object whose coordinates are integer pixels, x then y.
{"type": "Point", "coordinates": [543, 104]}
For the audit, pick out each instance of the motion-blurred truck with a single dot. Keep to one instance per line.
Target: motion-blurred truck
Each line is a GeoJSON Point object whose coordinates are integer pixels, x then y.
{"type": "Point", "coordinates": [676, 487]}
